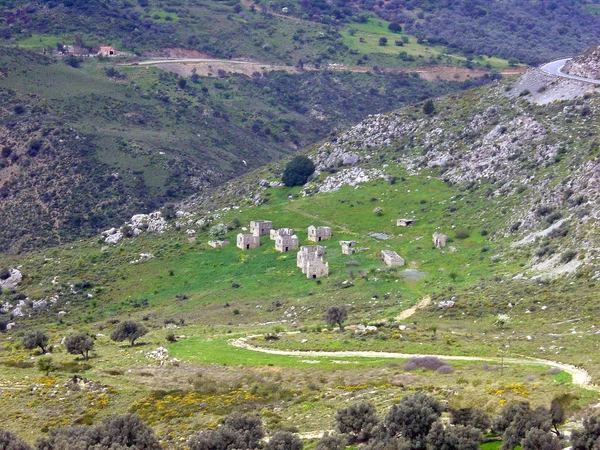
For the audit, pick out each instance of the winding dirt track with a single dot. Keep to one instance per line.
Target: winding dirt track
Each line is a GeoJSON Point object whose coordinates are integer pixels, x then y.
{"type": "Point", "coordinates": [580, 376]}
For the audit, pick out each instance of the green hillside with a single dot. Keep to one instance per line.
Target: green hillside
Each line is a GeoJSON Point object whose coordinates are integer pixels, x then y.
{"type": "Point", "coordinates": [513, 251]}
{"type": "Point", "coordinates": [145, 137]}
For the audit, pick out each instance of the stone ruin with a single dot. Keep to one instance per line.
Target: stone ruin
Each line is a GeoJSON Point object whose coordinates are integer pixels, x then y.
{"type": "Point", "coordinates": [217, 244]}
{"type": "Point", "coordinates": [281, 232]}
{"type": "Point", "coordinates": [285, 243]}
{"type": "Point", "coordinates": [248, 241]}
{"type": "Point", "coordinates": [310, 260]}
{"type": "Point", "coordinates": [391, 258]}
{"type": "Point", "coordinates": [348, 247]}
{"type": "Point", "coordinates": [318, 234]}
{"type": "Point", "coordinates": [405, 222]}
{"type": "Point", "coordinates": [439, 240]}
{"type": "Point", "coordinates": [261, 227]}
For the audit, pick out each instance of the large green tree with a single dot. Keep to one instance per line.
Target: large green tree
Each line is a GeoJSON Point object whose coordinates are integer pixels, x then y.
{"type": "Point", "coordinates": [297, 171]}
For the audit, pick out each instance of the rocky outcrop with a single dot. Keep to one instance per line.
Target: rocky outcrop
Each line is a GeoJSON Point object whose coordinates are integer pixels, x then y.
{"type": "Point", "coordinates": [586, 65]}
{"type": "Point", "coordinates": [13, 279]}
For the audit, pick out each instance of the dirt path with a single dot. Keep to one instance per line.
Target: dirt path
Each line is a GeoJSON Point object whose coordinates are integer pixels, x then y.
{"type": "Point", "coordinates": [424, 303]}
{"type": "Point", "coordinates": [580, 376]}
{"type": "Point", "coordinates": [207, 66]}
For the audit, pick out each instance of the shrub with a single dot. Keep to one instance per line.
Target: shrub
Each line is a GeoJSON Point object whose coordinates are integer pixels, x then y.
{"type": "Point", "coordinates": [298, 171]}
{"type": "Point", "coordinates": [331, 442]}
{"type": "Point", "coordinates": [445, 370]}
{"type": "Point", "coordinates": [471, 417]}
{"type": "Point", "coordinates": [428, 107]}
{"type": "Point", "coordinates": [284, 440]}
{"type": "Point", "coordinates": [454, 437]}
{"type": "Point", "coordinates": [218, 231]}
{"type": "Point", "coordinates": [461, 234]}
{"type": "Point", "coordinates": [115, 432]}
{"type": "Point", "coordinates": [585, 439]}
{"type": "Point", "coordinates": [536, 439]}
{"type": "Point", "coordinates": [567, 256]}
{"type": "Point", "coordinates": [425, 362]}
{"type": "Point", "coordinates": [413, 418]}
{"type": "Point", "coordinates": [10, 441]}
{"type": "Point", "coordinates": [358, 421]}
{"type": "Point", "coordinates": [45, 364]}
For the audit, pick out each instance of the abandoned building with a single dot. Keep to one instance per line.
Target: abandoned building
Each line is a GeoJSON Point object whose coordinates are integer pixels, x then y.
{"type": "Point", "coordinates": [348, 247]}
{"type": "Point", "coordinates": [285, 242]}
{"type": "Point", "coordinates": [217, 244]}
{"type": "Point", "coordinates": [439, 240]}
{"type": "Point", "coordinates": [248, 241]}
{"type": "Point", "coordinates": [281, 232]}
{"type": "Point", "coordinates": [107, 51]}
{"type": "Point", "coordinates": [261, 227]}
{"type": "Point", "coordinates": [405, 222]}
{"type": "Point", "coordinates": [391, 258]}
{"type": "Point", "coordinates": [310, 260]}
{"type": "Point", "coordinates": [318, 234]}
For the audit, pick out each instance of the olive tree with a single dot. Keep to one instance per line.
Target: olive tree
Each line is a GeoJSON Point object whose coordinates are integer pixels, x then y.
{"type": "Point", "coordinates": [284, 440]}
{"type": "Point", "coordinates": [115, 432]}
{"type": "Point", "coordinates": [10, 441]}
{"type": "Point", "coordinates": [35, 338]}
{"type": "Point", "coordinates": [79, 344]}
{"type": "Point", "coordinates": [536, 439]}
{"type": "Point", "coordinates": [453, 437]}
{"type": "Point", "coordinates": [589, 437]}
{"type": "Point", "coordinates": [336, 315]}
{"type": "Point", "coordinates": [413, 417]}
{"type": "Point", "coordinates": [357, 421]}
{"type": "Point", "coordinates": [128, 330]}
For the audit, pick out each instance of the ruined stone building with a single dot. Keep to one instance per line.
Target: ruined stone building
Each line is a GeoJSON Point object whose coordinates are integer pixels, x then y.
{"type": "Point", "coordinates": [439, 240]}
{"type": "Point", "coordinates": [285, 243]}
{"type": "Point", "coordinates": [348, 247]}
{"type": "Point", "coordinates": [310, 260]}
{"type": "Point", "coordinates": [216, 244]}
{"type": "Point", "coordinates": [281, 232]}
{"type": "Point", "coordinates": [261, 227]}
{"type": "Point", "coordinates": [248, 241]}
{"type": "Point", "coordinates": [391, 258]}
{"type": "Point", "coordinates": [318, 234]}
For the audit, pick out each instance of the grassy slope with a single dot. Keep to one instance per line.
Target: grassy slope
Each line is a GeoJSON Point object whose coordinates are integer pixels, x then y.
{"type": "Point", "coordinates": [188, 280]}
{"type": "Point", "coordinates": [170, 140]}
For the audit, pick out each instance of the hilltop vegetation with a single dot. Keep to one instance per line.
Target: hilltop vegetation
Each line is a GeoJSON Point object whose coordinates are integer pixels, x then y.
{"type": "Point", "coordinates": [531, 31]}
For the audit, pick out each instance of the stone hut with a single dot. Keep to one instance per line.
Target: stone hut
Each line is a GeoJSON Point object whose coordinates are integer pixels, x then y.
{"type": "Point", "coordinates": [285, 243]}
{"type": "Point", "coordinates": [248, 241]}
{"type": "Point", "coordinates": [439, 240]}
{"type": "Point", "coordinates": [281, 232]}
{"type": "Point", "coordinates": [310, 260]}
{"type": "Point", "coordinates": [391, 258]}
{"type": "Point", "coordinates": [107, 51]}
{"type": "Point", "coordinates": [217, 244]}
{"type": "Point", "coordinates": [318, 234]}
{"type": "Point", "coordinates": [348, 247]}
{"type": "Point", "coordinates": [261, 227]}
{"type": "Point", "coordinates": [405, 222]}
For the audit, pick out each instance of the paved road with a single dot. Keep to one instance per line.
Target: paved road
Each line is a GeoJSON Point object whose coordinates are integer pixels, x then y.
{"type": "Point", "coordinates": [555, 68]}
